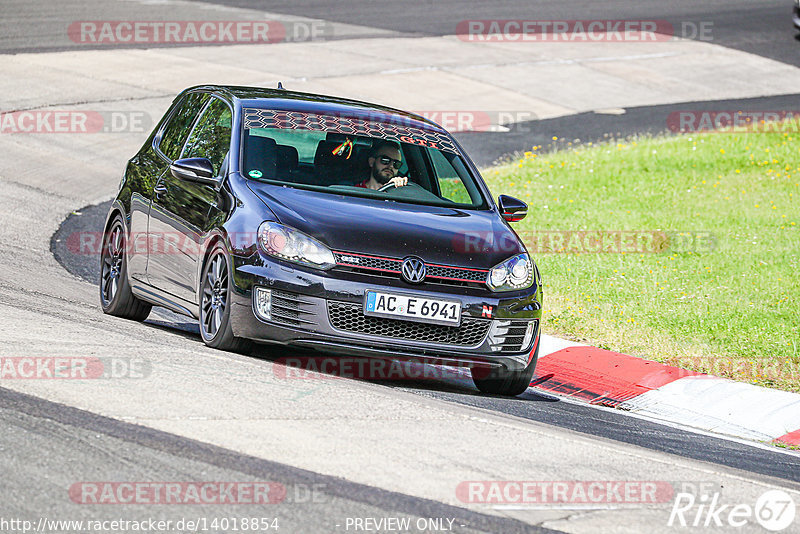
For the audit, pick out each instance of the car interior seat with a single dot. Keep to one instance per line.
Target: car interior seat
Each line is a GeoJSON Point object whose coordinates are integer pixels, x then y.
{"type": "Point", "coordinates": [287, 162]}
{"type": "Point", "coordinates": [329, 168]}
{"type": "Point", "coordinates": [261, 156]}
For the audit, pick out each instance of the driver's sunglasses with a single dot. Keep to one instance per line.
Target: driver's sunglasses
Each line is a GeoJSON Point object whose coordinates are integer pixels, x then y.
{"type": "Point", "coordinates": [385, 160]}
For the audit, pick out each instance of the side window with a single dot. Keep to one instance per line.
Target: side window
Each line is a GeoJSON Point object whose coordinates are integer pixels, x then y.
{"type": "Point", "coordinates": [450, 183]}
{"type": "Point", "coordinates": [180, 123]}
{"type": "Point", "coordinates": [211, 137]}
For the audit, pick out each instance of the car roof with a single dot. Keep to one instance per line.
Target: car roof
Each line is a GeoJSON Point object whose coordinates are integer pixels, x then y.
{"type": "Point", "coordinates": [312, 103]}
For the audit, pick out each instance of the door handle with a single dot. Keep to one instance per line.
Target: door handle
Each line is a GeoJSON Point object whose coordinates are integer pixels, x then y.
{"type": "Point", "coordinates": [160, 189]}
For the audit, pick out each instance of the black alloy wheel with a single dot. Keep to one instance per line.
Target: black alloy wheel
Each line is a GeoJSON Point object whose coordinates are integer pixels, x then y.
{"type": "Point", "coordinates": [215, 312]}
{"type": "Point", "coordinates": [116, 297]}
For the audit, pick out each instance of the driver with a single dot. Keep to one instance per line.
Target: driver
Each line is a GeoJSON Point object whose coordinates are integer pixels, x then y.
{"type": "Point", "coordinates": [384, 162]}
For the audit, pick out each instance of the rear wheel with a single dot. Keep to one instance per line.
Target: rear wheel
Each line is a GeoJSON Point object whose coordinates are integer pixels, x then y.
{"type": "Point", "coordinates": [215, 304]}
{"type": "Point", "coordinates": [500, 381]}
{"type": "Point", "coordinates": [115, 290]}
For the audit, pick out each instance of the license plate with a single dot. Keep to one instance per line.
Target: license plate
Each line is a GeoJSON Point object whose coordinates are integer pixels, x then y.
{"type": "Point", "coordinates": [412, 308]}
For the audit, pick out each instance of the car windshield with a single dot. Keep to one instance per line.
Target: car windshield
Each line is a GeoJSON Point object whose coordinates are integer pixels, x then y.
{"type": "Point", "coordinates": [340, 154]}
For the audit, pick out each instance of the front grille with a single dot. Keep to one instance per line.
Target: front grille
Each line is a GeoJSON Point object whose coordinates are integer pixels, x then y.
{"type": "Point", "coordinates": [391, 267]}
{"type": "Point", "coordinates": [372, 263]}
{"type": "Point", "coordinates": [291, 309]}
{"type": "Point", "coordinates": [350, 318]}
{"type": "Point", "coordinates": [464, 275]}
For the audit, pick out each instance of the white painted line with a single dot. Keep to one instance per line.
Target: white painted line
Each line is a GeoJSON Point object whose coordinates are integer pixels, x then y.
{"type": "Point", "coordinates": [550, 344]}
{"type": "Point", "coordinates": [678, 425]}
{"type": "Point", "coordinates": [722, 406]}
{"type": "Point", "coordinates": [610, 111]}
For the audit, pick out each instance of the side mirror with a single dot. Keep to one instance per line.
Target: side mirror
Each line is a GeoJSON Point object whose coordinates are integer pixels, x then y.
{"type": "Point", "coordinates": [198, 170]}
{"type": "Point", "coordinates": [512, 209]}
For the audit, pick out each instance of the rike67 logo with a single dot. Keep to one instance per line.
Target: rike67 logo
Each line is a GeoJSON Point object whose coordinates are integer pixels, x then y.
{"type": "Point", "coordinates": [774, 510]}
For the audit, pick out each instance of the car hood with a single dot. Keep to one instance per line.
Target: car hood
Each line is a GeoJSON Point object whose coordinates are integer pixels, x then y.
{"type": "Point", "coordinates": [447, 236]}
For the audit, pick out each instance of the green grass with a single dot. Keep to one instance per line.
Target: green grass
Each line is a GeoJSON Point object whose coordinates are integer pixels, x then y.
{"type": "Point", "coordinates": [721, 296]}
{"type": "Point", "coordinates": [453, 189]}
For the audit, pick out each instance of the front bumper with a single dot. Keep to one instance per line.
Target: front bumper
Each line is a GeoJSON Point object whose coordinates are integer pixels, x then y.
{"type": "Point", "coordinates": [323, 311]}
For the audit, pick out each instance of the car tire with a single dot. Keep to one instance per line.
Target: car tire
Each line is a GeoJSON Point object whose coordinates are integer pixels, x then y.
{"type": "Point", "coordinates": [215, 303]}
{"type": "Point", "coordinates": [116, 297]}
{"type": "Point", "coordinates": [499, 381]}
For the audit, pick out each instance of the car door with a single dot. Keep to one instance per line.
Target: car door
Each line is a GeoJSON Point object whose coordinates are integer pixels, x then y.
{"type": "Point", "coordinates": [149, 166]}
{"type": "Point", "coordinates": [180, 209]}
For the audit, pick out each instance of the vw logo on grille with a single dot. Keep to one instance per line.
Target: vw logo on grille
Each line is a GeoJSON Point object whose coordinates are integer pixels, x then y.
{"type": "Point", "coordinates": [413, 270]}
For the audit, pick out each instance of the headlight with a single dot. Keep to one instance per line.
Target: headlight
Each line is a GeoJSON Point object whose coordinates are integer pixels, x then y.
{"type": "Point", "coordinates": [514, 273]}
{"type": "Point", "coordinates": [292, 245]}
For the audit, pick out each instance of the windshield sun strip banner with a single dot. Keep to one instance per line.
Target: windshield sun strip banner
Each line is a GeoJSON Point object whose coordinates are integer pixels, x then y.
{"type": "Point", "coordinates": [391, 131]}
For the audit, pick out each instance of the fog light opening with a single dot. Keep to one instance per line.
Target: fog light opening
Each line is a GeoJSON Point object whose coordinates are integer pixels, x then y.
{"type": "Point", "coordinates": [262, 299]}
{"type": "Point", "coordinates": [526, 342]}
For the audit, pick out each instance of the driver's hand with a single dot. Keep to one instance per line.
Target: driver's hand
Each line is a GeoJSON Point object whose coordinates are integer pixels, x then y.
{"type": "Point", "coordinates": [399, 181]}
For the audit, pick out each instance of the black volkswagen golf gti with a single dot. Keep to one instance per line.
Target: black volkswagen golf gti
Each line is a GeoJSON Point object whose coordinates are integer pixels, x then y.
{"type": "Point", "coordinates": [323, 223]}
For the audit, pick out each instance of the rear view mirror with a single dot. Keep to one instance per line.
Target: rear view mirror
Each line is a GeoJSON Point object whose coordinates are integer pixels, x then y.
{"type": "Point", "coordinates": [198, 170]}
{"type": "Point", "coordinates": [512, 209]}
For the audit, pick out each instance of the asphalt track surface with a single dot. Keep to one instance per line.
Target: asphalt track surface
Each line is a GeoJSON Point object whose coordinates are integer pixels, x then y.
{"type": "Point", "coordinates": [596, 421]}
{"type": "Point", "coordinates": [314, 503]}
{"type": "Point", "coordinates": [486, 148]}
{"type": "Point", "coordinates": [763, 28]}
{"type": "Point", "coordinates": [55, 444]}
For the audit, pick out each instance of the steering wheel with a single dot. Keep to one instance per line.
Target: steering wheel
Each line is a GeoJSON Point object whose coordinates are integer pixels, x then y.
{"type": "Point", "coordinates": [389, 185]}
{"type": "Point", "coordinates": [410, 191]}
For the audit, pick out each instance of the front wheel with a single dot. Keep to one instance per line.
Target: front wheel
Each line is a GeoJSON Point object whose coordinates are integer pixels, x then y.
{"type": "Point", "coordinates": [115, 289]}
{"type": "Point", "coordinates": [500, 381]}
{"type": "Point", "coordinates": [215, 303]}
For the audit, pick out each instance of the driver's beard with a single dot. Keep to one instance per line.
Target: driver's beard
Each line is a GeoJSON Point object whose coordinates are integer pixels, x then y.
{"type": "Point", "coordinates": [380, 177]}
